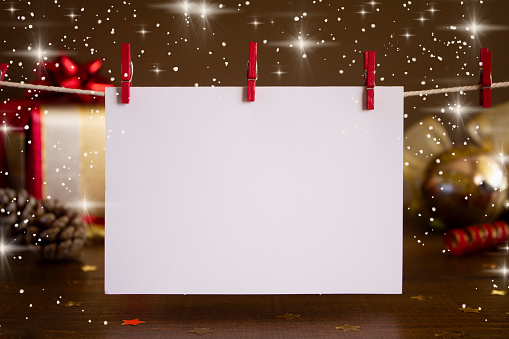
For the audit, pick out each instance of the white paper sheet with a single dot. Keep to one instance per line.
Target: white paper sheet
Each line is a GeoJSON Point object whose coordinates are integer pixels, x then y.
{"type": "Point", "coordinates": [299, 192]}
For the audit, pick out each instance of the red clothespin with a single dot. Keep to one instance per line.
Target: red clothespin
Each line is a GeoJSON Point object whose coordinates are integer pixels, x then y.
{"type": "Point", "coordinates": [485, 78]}
{"type": "Point", "coordinates": [252, 71]}
{"type": "Point", "coordinates": [3, 70]}
{"type": "Point", "coordinates": [369, 78]}
{"type": "Point", "coordinates": [127, 73]}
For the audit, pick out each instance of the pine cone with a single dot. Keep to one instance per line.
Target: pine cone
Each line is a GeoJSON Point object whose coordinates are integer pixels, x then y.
{"type": "Point", "coordinates": [17, 210]}
{"type": "Point", "coordinates": [57, 231]}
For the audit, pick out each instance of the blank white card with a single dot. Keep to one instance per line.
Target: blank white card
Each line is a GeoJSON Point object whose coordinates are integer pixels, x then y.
{"type": "Point", "coordinates": [299, 192]}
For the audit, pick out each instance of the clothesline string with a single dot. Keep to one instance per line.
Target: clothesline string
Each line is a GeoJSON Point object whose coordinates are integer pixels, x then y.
{"type": "Point", "coordinates": [454, 89]}
{"type": "Point", "coordinates": [52, 88]}
{"type": "Point", "coordinates": [101, 93]}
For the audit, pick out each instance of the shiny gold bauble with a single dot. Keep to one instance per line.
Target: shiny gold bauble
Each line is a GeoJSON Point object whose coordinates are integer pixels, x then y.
{"type": "Point", "coordinates": [465, 186]}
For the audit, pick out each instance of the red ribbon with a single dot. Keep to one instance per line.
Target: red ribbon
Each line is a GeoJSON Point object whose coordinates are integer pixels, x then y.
{"type": "Point", "coordinates": [474, 238]}
{"type": "Point", "coordinates": [93, 219]}
{"type": "Point", "coordinates": [17, 115]}
{"type": "Point", "coordinates": [33, 179]}
{"type": "Point", "coordinates": [64, 72]}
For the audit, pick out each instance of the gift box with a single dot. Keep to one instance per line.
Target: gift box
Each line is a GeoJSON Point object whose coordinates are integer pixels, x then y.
{"type": "Point", "coordinates": [55, 150]}
{"type": "Point", "coordinates": [54, 142]}
{"type": "Point", "coordinates": [15, 117]}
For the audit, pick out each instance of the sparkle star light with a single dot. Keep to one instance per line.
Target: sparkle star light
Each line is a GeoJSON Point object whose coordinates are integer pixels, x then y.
{"type": "Point", "coordinates": [432, 10]}
{"type": "Point", "coordinates": [86, 204]}
{"type": "Point", "coordinates": [157, 70]}
{"type": "Point", "coordinates": [407, 35]}
{"type": "Point", "coordinates": [202, 9]}
{"type": "Point", "coordinates": [422, 19]}
{"type": "Point", "coordinates": [5, 128]}
{"type": "Point", "coordinates": [504, 271]}
{"type": "Point", "coordinates": [143, 31]}
{"type": "Point", "coordinates": [72, 15]}
{"type": "Point", "coordinates": [4, 248]}
{"type": "Point", "coordinates": [279, 72]}
{"type": "Point", "coordinates": [255, 22]}
{"type": "Point", "coordinates": [11, 9]}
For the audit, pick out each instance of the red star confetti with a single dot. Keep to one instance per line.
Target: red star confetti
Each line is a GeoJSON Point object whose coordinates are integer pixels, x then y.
{"type": "Point", "coordinates": [448, 335]}
{"type": "Point", "coordinates": [201, 330]}
{"type": "Point", "coordinates": [496, 292]}
{"type": "Point", "coordinates": [133, 322]}
{"type": "Point", "coordinates": [72, 304]}
{"type": "Point", "coordinates": [88, 268]}
{"type": "Point", "coordinates": [289, 316]}
{"type": "Point", "coordinates": [469, 310]}
{"type": "Point", "coordinates": [348, 328]}
{"type": "Point", "coordinates": [421, 297]}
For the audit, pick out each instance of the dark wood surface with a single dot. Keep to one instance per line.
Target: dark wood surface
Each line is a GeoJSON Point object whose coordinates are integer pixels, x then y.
{"type": "Point", "coordinates": [40, 310]}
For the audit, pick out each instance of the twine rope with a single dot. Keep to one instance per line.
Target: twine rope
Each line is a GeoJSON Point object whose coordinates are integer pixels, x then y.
{"type": "Point", "coordinates": [51, 88]}
{"type": "Point", "coordinates": [101, 93]}
{"type": "Point", "coordinates": [454, 89]}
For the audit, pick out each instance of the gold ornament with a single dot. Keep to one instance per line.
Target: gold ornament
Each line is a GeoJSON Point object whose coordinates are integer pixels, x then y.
{"type": "Point", "coordinates": [464, 187]}
{"type": "Point", "coordinates": [423, 142]}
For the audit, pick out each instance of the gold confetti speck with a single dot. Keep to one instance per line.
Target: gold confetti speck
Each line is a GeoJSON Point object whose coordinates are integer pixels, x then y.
{"type": "Point", "coordinates": [88, 268]}
{"type": "Point", "coordinates": [72, 304]}
{"type": "Point", "coordinates": [289, 316]}
{"type": "Point", "coordinates": [348, 328]}
{"type": "Point", "coordinates": [448, 335]}
{"type": "Point", "coordinates": [73, 282]}
{"type": "Point", "coordinates": [201, 330]}
{"type": "Point", "coordinates": [496, 292]}
{"type": "Point", "coordinates": [421, 297]}
{"type": "Point", "coordinates": [469, 310]}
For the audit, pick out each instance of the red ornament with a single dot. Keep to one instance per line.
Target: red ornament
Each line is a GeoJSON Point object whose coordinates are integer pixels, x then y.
{"type": "Point", "coordinates": [475, 238]}
{"type": "Point", "coordinates": [64, 72]}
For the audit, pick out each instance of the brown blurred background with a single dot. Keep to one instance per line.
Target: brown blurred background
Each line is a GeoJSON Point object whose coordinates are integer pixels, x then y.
{"type": "Point", "coordinates": [182, 43]}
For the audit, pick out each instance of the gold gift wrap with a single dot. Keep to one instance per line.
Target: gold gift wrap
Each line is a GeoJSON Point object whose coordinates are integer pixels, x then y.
{"type": "Point", "coordinates": [72, 140]}
{"type": "Point", "coordinates": [73, 155]}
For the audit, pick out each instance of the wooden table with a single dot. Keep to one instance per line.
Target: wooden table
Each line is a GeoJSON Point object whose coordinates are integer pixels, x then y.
{"type": "Point", "coordinates": [35, 296]}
